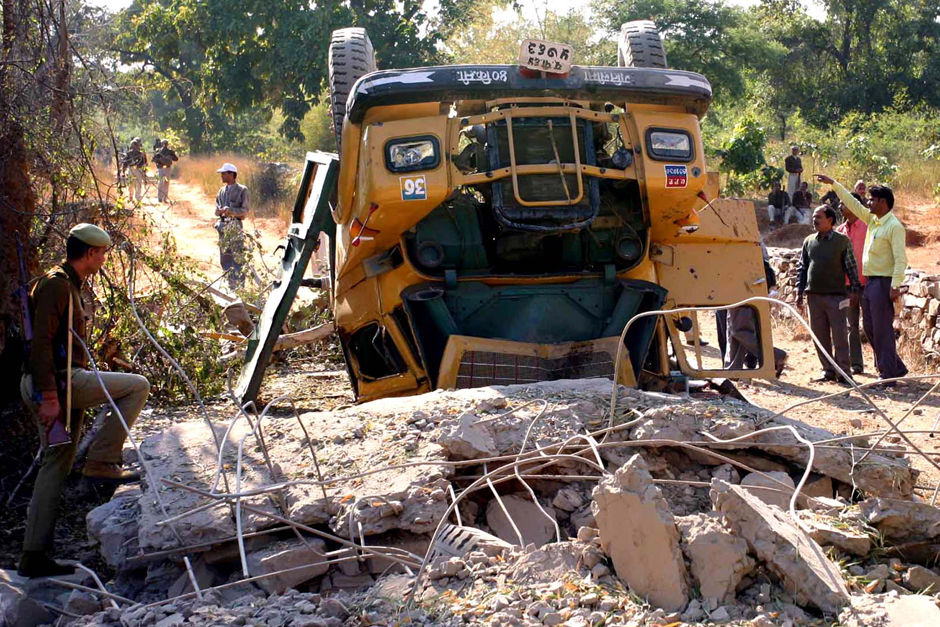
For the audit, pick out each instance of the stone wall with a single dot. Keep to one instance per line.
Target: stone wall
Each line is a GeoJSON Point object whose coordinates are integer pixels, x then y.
{"type": "Point", "coordinates": [917, 325]}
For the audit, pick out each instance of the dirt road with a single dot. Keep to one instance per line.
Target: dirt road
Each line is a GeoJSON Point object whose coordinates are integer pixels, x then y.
{"type": "Point", "coordinates": [190, 219]}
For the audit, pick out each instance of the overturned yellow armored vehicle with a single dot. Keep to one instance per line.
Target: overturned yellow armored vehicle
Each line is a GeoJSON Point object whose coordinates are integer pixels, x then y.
{"type": "Point", "coordinates": [501, 224]}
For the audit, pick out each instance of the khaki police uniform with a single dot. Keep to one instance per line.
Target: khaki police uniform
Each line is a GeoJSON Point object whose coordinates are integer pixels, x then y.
{"type": "Point", "coordinates": [50, 298]}
{"type": "Point", "coordinates": [136, 160]}
{"type": "Point", "coordinates": [164, 159]}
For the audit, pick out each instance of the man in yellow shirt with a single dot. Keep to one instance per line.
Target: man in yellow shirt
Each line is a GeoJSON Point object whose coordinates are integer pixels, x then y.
{"type": "Point", "coordinates": [883, 263]}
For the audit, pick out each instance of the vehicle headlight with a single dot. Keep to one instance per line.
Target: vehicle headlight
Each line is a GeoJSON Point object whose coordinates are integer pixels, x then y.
{"type": "Point", "coordinates": [413, 153]}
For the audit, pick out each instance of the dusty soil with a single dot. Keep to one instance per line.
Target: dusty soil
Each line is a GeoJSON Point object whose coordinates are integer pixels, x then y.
{"type": "Point", "coordinates": [189, 217]}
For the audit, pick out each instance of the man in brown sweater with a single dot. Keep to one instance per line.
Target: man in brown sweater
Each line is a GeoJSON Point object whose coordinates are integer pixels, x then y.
{"type": "Point", "coordinates": [56, 310]}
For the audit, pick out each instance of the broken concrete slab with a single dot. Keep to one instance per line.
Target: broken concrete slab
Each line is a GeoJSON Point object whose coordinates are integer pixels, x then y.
{"type": "Point", "coordinates": [411, 498]}
{"type": "Point", "coordinates": [891, 610]}
{"type": "Point", "coordinates": [845, 538]}
{"type": "Point", "coordinates": [638, 532]}
{"type": "Point", "coordinates": [773, 488]}
{"type": "Point", "coordinates": [288, 555]}
{"type": "Point", "coordinates": [534, 526]}
{"type": "Point", "coordinates": [718, 560]}
{"type": "Point", "coordinates": [902, 521]}
{"type": "Point", "coordinates": [879, 475]}
{"type": "Point", "coordinates": [114, 526]}
{"type": "Point", "coordinates": [803, 568]}
{"type": "Point", "coordinates": [186, 452]}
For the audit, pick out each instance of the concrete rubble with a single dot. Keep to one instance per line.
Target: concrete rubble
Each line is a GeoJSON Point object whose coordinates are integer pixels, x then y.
{"type": "Point", "coordinates": [675, 528]}
{"type": "Point", "coordinates": [804, 570]}
{"type": "Point", "coordinates": [718, 559]}
{"type": "Point", "coordinates": [638, 532]}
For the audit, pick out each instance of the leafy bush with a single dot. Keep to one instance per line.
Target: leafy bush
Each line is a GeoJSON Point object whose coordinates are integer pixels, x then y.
{"type": "Point", "coordinates": [870, 166]}
{"type": "Point", "coordinates": [744, 151]}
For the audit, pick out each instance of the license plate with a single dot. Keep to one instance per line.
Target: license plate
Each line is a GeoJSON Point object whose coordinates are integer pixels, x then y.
{"type": "Point", "coordinates": [546, 56]}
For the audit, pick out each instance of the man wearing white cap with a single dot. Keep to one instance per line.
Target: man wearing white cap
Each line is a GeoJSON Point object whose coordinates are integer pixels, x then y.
{"type": "Point", "coordinates": [231, 206]}
{"type": "Point", "coordinates": [57, 390]}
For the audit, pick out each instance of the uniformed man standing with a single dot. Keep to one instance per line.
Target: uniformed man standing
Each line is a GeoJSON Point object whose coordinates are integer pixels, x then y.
{"type": "Point", "coordinates": [56, 309]}
{"type": "Point", "coordinates": [163, 159]}
{"type": "Point", "coordinates": [136, 161]}
{"type": "Point", "coordinates": [231, 206]}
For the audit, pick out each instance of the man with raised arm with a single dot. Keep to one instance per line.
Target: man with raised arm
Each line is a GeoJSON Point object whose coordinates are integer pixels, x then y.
{"type": "Point", "coordinates": [884, 260]}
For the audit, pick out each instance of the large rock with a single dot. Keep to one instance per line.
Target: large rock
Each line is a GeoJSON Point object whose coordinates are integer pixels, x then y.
{"type": "Point", "coordinates": [534, 526]}
{"type": "Point", "coordinates": [902, 521]}
{"type": "Point", "coordinates": [922, 579]}
{"type": "Point", "coordinates": [18, 610]}
{"type": "Point", "coordinates": [890, 610]}
{"type": "Point", "coordinates": [718, 559]}
{"type": "Point", "coordinates": [804, 570]}
{"type": "Point", "coordinates": [114, 526]}
{"type": "Point", "coordinates": [639, 533]}
{"type": "Point", "coordinates": [285, 556]}
{"type": "Point", "coordinates": [773, 488]}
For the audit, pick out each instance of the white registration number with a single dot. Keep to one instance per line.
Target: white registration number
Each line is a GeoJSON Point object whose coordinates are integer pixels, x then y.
{"type": "Point", "coordinates": [546, 56]}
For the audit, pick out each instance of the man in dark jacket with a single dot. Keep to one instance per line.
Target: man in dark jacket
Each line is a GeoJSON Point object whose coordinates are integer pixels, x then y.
{"type": "Point", "coordinates": [777, 203]}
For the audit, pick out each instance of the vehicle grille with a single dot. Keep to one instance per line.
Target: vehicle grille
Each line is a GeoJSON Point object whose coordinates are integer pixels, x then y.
{"type": "Point", "coordinates": [481, 368]}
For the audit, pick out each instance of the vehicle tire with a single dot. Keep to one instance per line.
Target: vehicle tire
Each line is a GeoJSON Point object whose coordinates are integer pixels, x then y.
{"type": "Point", "coordinates": [351, 57]}
{"type": "Point", "coordinates": [640, 45]}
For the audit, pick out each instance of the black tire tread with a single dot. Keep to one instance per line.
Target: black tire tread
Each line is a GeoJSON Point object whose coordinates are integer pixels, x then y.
{"type": "Point", "coordinates": [351, 57]}
{"type": "Point", "coordinates": [641, 45]}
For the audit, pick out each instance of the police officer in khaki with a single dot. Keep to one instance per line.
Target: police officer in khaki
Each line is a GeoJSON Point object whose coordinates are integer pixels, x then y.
{"type": "Point", "coordinates": [56, 308]}
{"type": "Point", "coordinates": [136, 160]}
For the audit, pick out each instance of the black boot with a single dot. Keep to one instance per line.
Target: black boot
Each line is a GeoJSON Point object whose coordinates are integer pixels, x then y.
{"type": "Point", "coordinates": [38, 564]}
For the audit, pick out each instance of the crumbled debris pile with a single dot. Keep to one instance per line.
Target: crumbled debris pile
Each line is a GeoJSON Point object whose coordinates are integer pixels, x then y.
{"type": "Point", "coordinates": [519, 505]}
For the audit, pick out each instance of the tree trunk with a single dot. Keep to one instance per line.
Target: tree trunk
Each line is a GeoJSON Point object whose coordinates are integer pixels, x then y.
{"type": "Point", "coordinates": [17, 206]}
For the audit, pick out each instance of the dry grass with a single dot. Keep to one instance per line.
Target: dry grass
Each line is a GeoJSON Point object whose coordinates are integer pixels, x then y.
{"type": "Point", "coordinates": [918, 179]}
{"type": "Point", "coordinates": [200, 171]}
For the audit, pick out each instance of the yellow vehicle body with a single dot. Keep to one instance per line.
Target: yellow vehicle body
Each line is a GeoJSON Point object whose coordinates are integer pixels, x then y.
{"type": "Point", "coordinates": [698, 249]}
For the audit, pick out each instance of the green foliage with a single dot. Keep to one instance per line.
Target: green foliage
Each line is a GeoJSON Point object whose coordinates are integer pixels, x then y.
{"type": "Point", "coordinates": [871, 166]}
{"type": "Point", "coordinates": [743, 153]}
{"type": "Point", "coordinates": [705, 36]}
{"type": "Point", "coordinates": [215, 61]}
{"type": "Point", "coordinates": [494, 29]}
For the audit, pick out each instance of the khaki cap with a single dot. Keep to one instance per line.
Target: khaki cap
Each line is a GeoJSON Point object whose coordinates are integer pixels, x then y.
{"type": "Point", "coordinates": [90, 234]}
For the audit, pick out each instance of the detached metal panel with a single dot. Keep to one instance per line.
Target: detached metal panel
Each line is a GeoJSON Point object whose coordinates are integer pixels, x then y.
{"type": "Point", "coordinates": [310, 217]}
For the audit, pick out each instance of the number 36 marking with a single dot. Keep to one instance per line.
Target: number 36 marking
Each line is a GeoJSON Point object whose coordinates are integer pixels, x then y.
{"type": "Point", "coordinates": [414, 188]}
